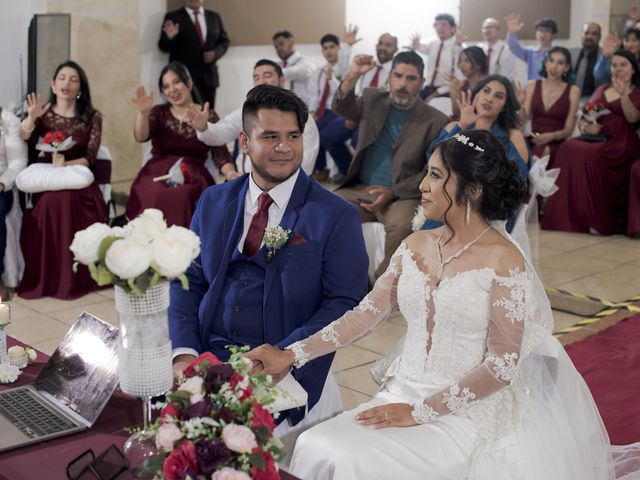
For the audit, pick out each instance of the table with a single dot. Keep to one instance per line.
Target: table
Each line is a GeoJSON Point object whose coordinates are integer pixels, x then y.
{"type": "Point", "coordinates": [49, 459]}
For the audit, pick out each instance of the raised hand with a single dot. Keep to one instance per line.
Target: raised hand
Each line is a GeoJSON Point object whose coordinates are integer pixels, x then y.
{"type": "Point", "coordinates": [414, 38]}
{"type": "Point", "coordinates": [34, 110]}
{"type": "Point", "coordinates": [621, 85]}
{"type": "Point", "coordinates": [610, 44]}
{"type": "Point", "coordinates": [454, 82]}
{"type": "Point", "coordinates": [514, 23]}
{"type": "Point", "coordinates": [170, 29]}
{"type": "Point", "coordinates": [198, 118]}
{"type": "Point", "coordinates": [468, 115]}
{"type": "Point", "coordinates": [460, 36]}
{"type": "Point", "coordinates": [350, 36]}
{"type": "Point", "coordinates": [361, 64]}
{"type": "Point", "coordinates": [633, 13]}
{"type": "Point", "coordinates": [141, 99]}
{"type": "Point", "coordinates": [521, 93]}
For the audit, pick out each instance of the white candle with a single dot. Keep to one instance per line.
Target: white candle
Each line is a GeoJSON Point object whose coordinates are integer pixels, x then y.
{"type": "Point", "coordinates": [5, 314]}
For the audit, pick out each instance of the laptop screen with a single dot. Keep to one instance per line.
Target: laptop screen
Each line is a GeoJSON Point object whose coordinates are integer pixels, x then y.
{"type": "Point", "coordinates": [83, 371]}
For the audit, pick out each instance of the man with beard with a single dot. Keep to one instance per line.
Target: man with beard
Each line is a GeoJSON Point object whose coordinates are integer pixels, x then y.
{"type": "Point", "coordinates": [335, 133]}
{"type": "Point", "coordinates": [395, 129]}
{"type": "Point", "coordinates": [243, 293]}
{"type": "Point", "coordinates": [585, 58]}
{"type": "Point", "coordinates": [296, 68]}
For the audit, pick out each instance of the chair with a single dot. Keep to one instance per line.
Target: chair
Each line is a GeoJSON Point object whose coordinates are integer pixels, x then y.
{"type": "Point", "coordinates": [13, 259]}
{"type": "Point", "coordinates": [102, 173]}
{"type": "Point", "coordinates": [374, 236]}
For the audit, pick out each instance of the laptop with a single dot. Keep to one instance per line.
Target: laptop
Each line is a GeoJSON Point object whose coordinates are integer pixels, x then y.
{"type": "Point", "coordinates": [71, 390]}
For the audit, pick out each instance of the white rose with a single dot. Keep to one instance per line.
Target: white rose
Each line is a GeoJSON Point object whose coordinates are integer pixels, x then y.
{"type": "Point", "coordinates": [128, 258]}
{"type": "Point", "coordinates": [86, 242]}
{"type": "Point", "coordinates": [174, 250]}
{"type": "Point", "coordinates": [146, 226]}
{"type": "Point", "coordinates": [167, 435]}
{"type": "Point", "coordinates": [118, 232]}
{"type": "Point", "coordinates": [228, 473]}
{"type": "Point", "coordinates": [193, 385]}
{"type": "Point", "coordinates": [239, 438]}
{"type": "Point", "coordinates": [9, 373]}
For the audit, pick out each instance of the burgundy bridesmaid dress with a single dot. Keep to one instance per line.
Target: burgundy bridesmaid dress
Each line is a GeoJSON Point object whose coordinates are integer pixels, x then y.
{"type": "Point", "coordinates": [633, 225]}
{"type": "Point", "coordinates": [552, 120]}
{"type": "Point", "coordinates": [171, 140]}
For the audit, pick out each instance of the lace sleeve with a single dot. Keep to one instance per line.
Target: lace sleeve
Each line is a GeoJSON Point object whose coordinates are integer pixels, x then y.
{"type": "Point", "coordinates": [95, 137]}
{"type": "Point", "coordinates": [510, 309]}
{"type": "Point", "coordinates": [356, 323]}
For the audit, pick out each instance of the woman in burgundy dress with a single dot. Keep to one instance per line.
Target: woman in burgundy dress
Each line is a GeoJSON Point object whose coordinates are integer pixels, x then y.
{"type": "Point", "coordinates": [551, 104]}
{"type": "Point", "coordinates": [594, 177]}
{"type": "Point", "coordinates": [48, 227]}
{"type": "Point", "coordinates": [172, 138]}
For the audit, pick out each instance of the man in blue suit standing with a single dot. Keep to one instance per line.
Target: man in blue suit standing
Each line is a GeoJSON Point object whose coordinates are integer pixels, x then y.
{"type": "Point", "coordinates": [241, 295]}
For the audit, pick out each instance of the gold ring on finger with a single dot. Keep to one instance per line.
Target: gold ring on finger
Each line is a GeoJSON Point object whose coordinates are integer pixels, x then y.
{"type": "Point", "coordinates": [386, 417]}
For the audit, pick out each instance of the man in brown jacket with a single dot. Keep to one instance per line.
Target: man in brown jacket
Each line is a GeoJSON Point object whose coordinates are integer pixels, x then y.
{"type": "Point", "coordinates": [395, 129]}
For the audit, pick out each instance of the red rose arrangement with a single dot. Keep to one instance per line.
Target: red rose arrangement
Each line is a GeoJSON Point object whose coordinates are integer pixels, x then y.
{"type": "Point", "coordinates": [216, 424]}
{"type": "Point", "coordinates": [593, 110]}
{"type": "Point", "coordinates": [54, 139]}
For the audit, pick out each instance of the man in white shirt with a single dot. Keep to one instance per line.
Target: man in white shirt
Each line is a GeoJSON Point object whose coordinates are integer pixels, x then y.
{"type": "Point", "coordinates": [442, 57]}
{"type": "Point", "coordinates": [500, 60]}
{"type": "Point", "coordinates": [296, 68]}
{"type": "Point", "coordinates": [265, 72]}
{"type": "Point", "coordinates": [334, 135]}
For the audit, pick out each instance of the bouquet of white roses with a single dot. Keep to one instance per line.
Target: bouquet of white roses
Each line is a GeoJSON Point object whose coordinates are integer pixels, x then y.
{"type": "Point", "coordinates": [137, 256]}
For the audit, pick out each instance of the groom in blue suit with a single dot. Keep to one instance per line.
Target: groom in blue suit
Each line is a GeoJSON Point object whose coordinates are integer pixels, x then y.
{"type": "Point", "coordinates": [239, 293]}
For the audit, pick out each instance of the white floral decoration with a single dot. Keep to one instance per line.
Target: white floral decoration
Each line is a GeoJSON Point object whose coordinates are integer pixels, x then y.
{"type": "Point", "coordinates": [505, 367]}
{"type": "Point", "coordinates": [457, 398]}
{"type": "Point", "coordinates": [274, 238]}
{"type": "Point", "coordinates": [464, 139]}
{"type": "Point", "coordinates": [423, 413]}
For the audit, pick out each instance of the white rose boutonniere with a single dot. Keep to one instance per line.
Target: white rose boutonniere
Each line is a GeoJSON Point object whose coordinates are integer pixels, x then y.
{"type": "Point", "coordinates": [274, 238]}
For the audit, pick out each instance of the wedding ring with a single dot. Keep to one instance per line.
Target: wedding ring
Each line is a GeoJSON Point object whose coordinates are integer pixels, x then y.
{"type": "Point", "coordinates": [386, 417]}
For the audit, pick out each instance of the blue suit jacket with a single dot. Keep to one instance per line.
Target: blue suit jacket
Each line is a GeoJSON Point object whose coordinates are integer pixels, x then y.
{"type": "Point", "coordinates": [306, 286]}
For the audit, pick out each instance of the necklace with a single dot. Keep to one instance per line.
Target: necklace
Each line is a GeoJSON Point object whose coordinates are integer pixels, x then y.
{"type": "Point", "coordinates": [455, 255]}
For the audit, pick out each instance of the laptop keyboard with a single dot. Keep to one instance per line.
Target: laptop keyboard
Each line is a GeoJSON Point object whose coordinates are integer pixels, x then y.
{"type": "Point", "coordinates": [31, 416]}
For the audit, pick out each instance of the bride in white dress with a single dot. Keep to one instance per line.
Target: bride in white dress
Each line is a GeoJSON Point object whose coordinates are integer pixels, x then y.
{"type": "Point", "coordinates": [481, 390]}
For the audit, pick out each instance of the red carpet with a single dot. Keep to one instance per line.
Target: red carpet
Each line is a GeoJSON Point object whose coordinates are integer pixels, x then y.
{"type": "Point", "coordinates": [609, 361]}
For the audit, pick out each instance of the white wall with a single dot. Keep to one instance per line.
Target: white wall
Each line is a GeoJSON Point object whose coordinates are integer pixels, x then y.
{"type": "Point", "coordinates": [14, 25]}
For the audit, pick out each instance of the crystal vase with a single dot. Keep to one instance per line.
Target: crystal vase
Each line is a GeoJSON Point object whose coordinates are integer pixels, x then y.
{"type": "Point", "coordinates": [144, 359]}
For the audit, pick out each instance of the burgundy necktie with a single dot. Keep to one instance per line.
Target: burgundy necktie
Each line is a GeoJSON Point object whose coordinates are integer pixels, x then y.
{"type": "Point", "coordinates": [257, 226]}
{"type": "Point", "coordinates": [376, 77]}
{"type": "Point", "coordinates": [322, 108]}
{"type": "Point", "coordinates": [435, 69]}
{"type": "Point", "coordinates": [198, 28]}
{"type": "Point", "coordinates": [488, 60]}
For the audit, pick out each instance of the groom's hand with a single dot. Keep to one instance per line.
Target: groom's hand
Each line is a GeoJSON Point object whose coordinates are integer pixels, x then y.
{"type": "Point", "coordinates": [389, 415]}
{"type": "Point", "coordinates": [181, 362]}
{"type": "Point", "coordinates": [269, 360]}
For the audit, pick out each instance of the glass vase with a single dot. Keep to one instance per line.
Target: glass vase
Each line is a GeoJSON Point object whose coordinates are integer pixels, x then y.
{"type": "Point", "coordinates": [145, 364]}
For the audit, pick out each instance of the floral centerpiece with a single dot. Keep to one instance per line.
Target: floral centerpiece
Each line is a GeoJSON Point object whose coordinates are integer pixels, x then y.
{"type": "Point", "coordinates": [216, 424]}
{"type": "Point", "coordinates": [593, 110]}
{"type": "Point", "coordinates": [137, 256]}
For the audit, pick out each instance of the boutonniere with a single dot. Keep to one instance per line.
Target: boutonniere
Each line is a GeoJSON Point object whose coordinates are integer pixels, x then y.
{"type": "Point", "coordinates": [338, 77]}
{"type": "Point", "coordinates": [274, 238]}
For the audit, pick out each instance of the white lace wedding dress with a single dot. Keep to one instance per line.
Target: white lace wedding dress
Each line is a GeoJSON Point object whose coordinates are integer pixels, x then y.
{"type": "Point", "coordinates": [499, 398]}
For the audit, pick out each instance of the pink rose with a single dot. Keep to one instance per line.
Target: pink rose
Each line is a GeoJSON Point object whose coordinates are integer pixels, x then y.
{"type": "Point", "coordinates": [239, 438]}
{"type": "Point", "coordinates": [167, 436]}
{"type": "Point", "coordinates": [228, 473]}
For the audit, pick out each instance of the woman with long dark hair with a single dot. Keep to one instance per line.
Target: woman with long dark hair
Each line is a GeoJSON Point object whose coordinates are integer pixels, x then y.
{"type": "Point", "coordinates": [472, 63]}
{"type": "Point", "coordinates": [172, 138]}
{"type": "Point", "coordinates": [551, 104]}
{"type": "Point", "coordinates": [594, 177]}
{"type": "Point", "coordinates": [48, 227]}
{"type": "Point", "coordinates": [480, 389]}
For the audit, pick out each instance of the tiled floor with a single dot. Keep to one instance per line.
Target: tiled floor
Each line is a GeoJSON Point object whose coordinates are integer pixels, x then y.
{"type": "Point", "coordinates": [604, 267]}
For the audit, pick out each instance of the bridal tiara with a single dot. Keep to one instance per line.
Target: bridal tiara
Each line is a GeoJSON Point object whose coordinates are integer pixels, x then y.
{"type": "Point", "coordinates": [465, 140]}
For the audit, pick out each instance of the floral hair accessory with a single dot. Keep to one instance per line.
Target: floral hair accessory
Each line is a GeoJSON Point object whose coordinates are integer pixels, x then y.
{"type": "Point", "coordinates": [465, 140]}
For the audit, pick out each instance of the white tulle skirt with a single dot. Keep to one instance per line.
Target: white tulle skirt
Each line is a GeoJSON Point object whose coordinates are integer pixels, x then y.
{"type": "Point", "coordinates": [553, 431]}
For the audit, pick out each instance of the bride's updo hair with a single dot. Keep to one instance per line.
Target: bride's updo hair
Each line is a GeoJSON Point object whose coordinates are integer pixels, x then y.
{"type": "Point", "coordinates": [478, 159]}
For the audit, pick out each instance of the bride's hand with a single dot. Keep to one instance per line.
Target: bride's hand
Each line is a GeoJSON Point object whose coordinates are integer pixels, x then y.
{"type": "Point", "coordinates": [269, 360]}
{"type": "Point", "coordinates": [389, 415]}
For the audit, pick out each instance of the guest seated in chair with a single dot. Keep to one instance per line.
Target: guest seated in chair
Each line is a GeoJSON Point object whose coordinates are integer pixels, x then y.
{"type": "Point", "coordinates": [395, 129]}
{"type": "Point", "coordinates": [242, 292]}
{"type": "Point", "coordinates": [48, 228]}
{"type": "Point", "coordinates": [595, 168]}
{"type": "Point", "coordinates": [492, 106]}
{"type": "Point", "coordinates": [172, 140]}
{"type": "Point", "coordinates": [551, 104]}
{"type": "Point", "coordinates": [13, 158]}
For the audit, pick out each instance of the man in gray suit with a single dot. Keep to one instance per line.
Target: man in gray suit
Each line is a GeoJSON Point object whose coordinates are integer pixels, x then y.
{"type": "Point", "coordinates": [395, 129]}
{"type": "Point", "coordinates": [584, 59]}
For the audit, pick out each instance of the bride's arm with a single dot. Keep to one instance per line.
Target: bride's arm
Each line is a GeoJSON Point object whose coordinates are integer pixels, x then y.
{"type": "Point", "coordinates": [353, 325]}
{"type": "Point", "coordinates": [510, 310]}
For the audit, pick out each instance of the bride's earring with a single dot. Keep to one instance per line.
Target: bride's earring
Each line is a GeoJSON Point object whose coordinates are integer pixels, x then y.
{"type": "Point", "coordinates": [78, 95]}
{"type": "Point", "coordinates": [468, 217]}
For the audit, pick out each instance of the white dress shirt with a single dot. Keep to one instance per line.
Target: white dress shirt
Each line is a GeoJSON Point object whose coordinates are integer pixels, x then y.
{"type": "Point", "coordinates": [315, 87]}
{"type": "Point", "coordinates": [13, 151]}
{"type": "Point", "coordinates": [297, 74]}
{"type": "Point", "coordinates": [201, 20]}
{"type": "Point", "coordinates": [229, 127]}
{"type": "Point", "coordinates": [447, 65]}
{"type": "Point", "coordinates": [281, 194]}
{"type": "Point", "coordinates": [383, 78]}
{"type": "Point", "coordinates": [502, 61]}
